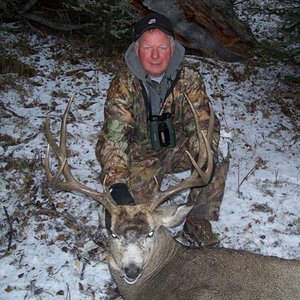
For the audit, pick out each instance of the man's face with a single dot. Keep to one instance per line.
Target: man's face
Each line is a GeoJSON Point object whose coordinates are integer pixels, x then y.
{"type": "Point", "coordinates": [154, 51]}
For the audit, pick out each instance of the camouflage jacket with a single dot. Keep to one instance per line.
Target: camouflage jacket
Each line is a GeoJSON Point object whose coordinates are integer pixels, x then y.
{"type": "Point", "coordinates": [125, 133]}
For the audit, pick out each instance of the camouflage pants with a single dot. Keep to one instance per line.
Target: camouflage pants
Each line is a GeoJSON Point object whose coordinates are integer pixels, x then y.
{"type": "Point", "coordinates": [144, 166]}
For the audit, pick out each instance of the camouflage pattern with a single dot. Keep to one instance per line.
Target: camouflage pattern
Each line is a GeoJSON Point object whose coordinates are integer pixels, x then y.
{"type": "Point", "coordinates": [124, 147]}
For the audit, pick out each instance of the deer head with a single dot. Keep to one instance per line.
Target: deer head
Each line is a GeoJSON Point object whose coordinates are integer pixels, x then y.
{"type": "Point", "coordinates": [133, 233]}
{"type": "Point", "coordinates": [135, 236]}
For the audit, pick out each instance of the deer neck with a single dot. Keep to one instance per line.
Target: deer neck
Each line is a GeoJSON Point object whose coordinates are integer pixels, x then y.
{"type": "Point", "coordinates": [163, 253]}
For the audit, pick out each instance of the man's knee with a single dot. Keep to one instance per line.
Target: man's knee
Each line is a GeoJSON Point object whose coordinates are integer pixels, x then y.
{"type": "Point", "coordinates": [207, 200]}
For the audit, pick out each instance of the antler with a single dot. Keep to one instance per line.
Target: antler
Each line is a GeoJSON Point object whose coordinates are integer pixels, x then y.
{"type": "Point", "coordinates": [70, 183]}
{"type": "Point", "coordinates": [198, 178]}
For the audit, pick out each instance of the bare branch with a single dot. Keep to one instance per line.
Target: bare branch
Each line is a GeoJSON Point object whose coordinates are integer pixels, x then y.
{"type": "Point", "coordinates": [29, 6]}
{"type": "Point", "coordinates": [54, 25]}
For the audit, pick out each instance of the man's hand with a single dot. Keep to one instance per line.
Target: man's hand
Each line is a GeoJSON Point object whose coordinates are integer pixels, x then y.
{"type": "Point", "coordinates": [120, 194]}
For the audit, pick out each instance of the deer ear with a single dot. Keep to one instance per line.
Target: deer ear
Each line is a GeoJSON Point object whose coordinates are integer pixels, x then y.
{"type": "Point", "coordinates": [171, 216]}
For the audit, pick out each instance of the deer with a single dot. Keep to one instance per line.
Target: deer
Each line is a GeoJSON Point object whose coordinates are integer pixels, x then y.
{"type": "Point", "coordinates": [145, 260]}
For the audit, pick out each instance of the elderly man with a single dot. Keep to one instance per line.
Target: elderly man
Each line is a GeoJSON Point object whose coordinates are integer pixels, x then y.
{"type": "Point", "coordinates": [151, 89]}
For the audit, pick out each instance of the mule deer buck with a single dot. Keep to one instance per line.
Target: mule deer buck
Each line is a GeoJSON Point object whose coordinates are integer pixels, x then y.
{"type": "Point", "coordinates": [147, 263]}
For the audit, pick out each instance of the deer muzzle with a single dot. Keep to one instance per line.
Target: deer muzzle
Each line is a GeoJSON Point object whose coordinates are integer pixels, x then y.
{"type": "Point", "coordinates": [132, 272]}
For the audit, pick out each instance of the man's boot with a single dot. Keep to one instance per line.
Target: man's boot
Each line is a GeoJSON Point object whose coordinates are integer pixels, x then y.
{"type": "Point", "coordinates": [200, 231]}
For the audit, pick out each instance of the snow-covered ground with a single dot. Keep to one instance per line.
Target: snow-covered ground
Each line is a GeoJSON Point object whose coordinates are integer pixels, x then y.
{"type": "Point", "coordinates": [51, 245]}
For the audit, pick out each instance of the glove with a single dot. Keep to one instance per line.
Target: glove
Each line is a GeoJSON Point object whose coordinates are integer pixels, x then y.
{"type": "Point", "coordinates": [121, 195]}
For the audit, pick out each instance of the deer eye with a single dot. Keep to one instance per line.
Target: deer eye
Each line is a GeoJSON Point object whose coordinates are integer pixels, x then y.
{"type": "Point", "coordinates": [150, 234]}
{"type": "Point", "coordinates": [114, 235]}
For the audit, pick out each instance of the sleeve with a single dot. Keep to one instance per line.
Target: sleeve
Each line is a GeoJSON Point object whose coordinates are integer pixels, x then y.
{"type": "Point", "coordinates": [196, 93]}
{"type": "Point", "coordinates": [113, 141]}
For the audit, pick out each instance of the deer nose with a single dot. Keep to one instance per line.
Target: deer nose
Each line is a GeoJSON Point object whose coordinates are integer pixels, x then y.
{"type": "Point", "coordinates": [132, 272]}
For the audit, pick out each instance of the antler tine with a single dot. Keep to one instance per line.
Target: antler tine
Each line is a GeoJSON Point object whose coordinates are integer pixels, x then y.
{"type": "Point", "coordinates": [211, 124]}
{"type": "Point", "coordinates": [207, 141]}
{"type": "Point", "coordinates": [51, 178]}
{"type": "Point", "coordinates": [61, 150]}
{"type": "Point", "coordinates": [70, 183]}
{"type": "Point", "coordinates": [198, 178]}
{"type": "Point", "coordinates": [63, 127]}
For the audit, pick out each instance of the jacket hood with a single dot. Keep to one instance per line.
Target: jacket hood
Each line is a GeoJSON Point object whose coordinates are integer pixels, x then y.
{"type": "Point", "coordinates": [133, 62]}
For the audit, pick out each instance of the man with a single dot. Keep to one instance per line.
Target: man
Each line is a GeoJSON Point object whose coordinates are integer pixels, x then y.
{"type": "Point", "coordinates": [150, 90]}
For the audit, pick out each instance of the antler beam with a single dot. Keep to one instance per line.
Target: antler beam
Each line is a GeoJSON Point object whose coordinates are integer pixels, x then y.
{"type": "Point", "coordinates": [69, 183]}
{"type": "Point", "coordinates": [198, 178]}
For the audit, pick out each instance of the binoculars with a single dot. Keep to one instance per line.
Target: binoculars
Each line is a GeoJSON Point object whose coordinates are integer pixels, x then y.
{"type": "Point", "coordinates": [162, 131]}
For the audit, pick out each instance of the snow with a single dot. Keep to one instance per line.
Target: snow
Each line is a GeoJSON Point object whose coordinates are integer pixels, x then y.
{"type": "Point", "coordinates": [56, 247]}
